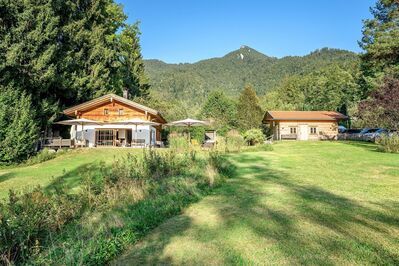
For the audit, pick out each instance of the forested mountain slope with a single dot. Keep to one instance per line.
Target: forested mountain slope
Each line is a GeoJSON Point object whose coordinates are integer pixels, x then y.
{"type": "Point", "coordinates": [236, 69]}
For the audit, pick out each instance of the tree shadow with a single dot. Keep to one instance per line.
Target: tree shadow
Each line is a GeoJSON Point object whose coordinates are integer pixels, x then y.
{"type": "Point", "coordinates": [308, 225]}
{"type": "Point", "coordinates": [71, 180]}
{"type": "Point", "coordinates": [368, 146]}
{"type": "Point", "coordinates": [6, 176]}
{"type": "Point", "coordinates": [324, 210]}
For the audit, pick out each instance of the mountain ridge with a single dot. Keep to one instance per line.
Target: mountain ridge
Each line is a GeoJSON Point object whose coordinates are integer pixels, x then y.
{"type": "Point", "coordinates": [245, 46]}
{"type": "Point", "coordinates": [236, 69]}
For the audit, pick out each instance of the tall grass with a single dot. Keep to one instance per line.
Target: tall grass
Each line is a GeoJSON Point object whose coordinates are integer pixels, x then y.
{"type": "Point", "coordinates": [232, 142]}
{"type": "Point", "coordinates": [178, 142]}
{"type": "Point", "coordinates": [112, 210]}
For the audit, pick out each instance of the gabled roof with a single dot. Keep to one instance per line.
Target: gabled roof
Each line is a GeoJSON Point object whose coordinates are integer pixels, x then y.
{"type": "Point", "coordinates": [106, 99]}
{"type": "Point", "coordinates": [304, 115]}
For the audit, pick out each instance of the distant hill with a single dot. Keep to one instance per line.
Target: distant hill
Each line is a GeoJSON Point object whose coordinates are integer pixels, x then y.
{"type": "Point", "coordinates": [237, 69]}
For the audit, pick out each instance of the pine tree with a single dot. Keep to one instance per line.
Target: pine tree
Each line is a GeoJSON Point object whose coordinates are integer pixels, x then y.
{"type": "Point", "coordinates": [88, 48]}
{"type": "Point", "coordinates": [28, 50]}
{"type": "Point", "coordinates": [59, 53]}
{"type": "Point", "coordinates": [132, 73]}
{"type": "Point", "coordinates": [18, 129]}
{"type": "Point", "coordinates": [381, 44]}
{"type": "Point", "coordinates": [249, 113]}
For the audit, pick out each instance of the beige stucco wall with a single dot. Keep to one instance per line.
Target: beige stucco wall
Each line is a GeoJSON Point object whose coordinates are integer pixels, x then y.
{"type": "Point", "coordinates": [324, 129]}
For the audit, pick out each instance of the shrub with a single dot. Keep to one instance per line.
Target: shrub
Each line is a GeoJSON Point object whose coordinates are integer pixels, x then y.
{"type": "Point", "coordinates": [254, 136]}
{"type": "Point", "coordinates": [388, 143]}
{"type": "Point", "coordinates": [27, 220]}
{"type": "Point", "coordinates": [162, 164]}
{"type": "Point", "coordinates": [42, 156]}
{"type": "Point", "coordinates": [197, 134]}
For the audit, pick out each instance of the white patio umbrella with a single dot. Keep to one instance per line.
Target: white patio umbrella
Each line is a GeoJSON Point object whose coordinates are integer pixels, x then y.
{"type": "Point", "coordinates": [136, 122]}
{"type": "Point", "coordinates": [188, 122]}
{"type": "Point", "coordinates": [79, 122]}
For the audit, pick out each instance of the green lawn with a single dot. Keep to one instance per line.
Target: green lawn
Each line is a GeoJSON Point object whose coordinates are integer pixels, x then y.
{"type": "Point", "coordinates": [324, 203]}
{"type": "Point", "coordinates": [70, 167]}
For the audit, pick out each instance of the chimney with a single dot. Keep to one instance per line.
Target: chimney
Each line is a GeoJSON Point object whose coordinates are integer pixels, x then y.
{"type": "Point", "coordinates": [125, 93]}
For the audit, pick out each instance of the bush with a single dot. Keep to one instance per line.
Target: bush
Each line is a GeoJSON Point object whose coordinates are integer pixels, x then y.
{"type": "Point", "coordinates": [42, 156]}
{"type": "Point", "coordinates": [29, 219]}
{"type": "Point", "coordinates": [388, 143]}
{"type": "Point", "coordinates": [254, 136]}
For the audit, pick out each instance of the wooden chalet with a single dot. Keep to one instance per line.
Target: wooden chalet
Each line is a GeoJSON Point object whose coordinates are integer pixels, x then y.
{"type": "Point", "coordinates": [303, 125]}
{"type": "Point", "coordinates": [108, 110]}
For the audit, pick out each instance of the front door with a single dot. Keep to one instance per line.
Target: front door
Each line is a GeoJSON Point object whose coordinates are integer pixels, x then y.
{"type": "Point", "coordinates": [303, 132]}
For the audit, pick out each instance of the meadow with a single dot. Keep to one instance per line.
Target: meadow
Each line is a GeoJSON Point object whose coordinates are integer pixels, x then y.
{"type": "Point", "coordinates": [300, 203]}
{"type": "Point", "coordinates": [330, 203]}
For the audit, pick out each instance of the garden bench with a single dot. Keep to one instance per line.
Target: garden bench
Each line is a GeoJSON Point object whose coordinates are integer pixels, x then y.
{"type": "Point", "coordinates": [289, 136]}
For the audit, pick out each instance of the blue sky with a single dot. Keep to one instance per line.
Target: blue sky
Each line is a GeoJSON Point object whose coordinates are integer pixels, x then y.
{"type": "Point", "coordinates": [178, 31]}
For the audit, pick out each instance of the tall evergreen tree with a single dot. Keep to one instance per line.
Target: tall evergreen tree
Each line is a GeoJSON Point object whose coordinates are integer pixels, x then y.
{"type": "Point", "coordinates": [88, 48]}
{"type": "Point", "coordinates": [132, 73]}
{"type": "Point", "coordinates": [18, 129]}
{"type": "Point", "coordinates": [28, 49]}
{"type": "Point", "coordinates": [381, 44]}
{"type": "Point", "coordinates": [60, 53]}
{"type": "Point", "coordinates": [66, 52]}
{"type": "Point", "coordinates": [249, 112]}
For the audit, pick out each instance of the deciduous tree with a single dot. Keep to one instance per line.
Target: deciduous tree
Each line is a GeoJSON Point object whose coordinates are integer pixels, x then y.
{"type": "Point", "coordinates": [381, 109]}
{"type": "Point", "coordinates": [221, 109]}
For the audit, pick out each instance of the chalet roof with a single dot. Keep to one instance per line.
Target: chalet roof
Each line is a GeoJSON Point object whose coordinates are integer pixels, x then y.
{"type": "Point", "coordinates": [109, 98]}
{"type": "Point", "coordinates": [304, 115]}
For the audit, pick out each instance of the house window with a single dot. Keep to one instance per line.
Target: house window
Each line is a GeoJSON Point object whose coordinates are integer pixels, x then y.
{"type": "Point", "coordinates": [313, 130]}
{"type": "Point", "coordinates": [106, 112]}
{"type": "Point", "coordinates": [120, 112]}
{"type": "Point", "coordinates": [293, 130]}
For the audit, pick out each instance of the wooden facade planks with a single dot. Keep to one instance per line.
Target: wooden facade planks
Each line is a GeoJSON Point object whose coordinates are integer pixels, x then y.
{"type": "Point", "coordinates": [115, 111]}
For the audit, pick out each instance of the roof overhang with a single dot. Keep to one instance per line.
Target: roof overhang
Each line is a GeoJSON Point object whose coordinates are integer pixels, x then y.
{"type": "Point", "coordinates": [311, 116]}
{"type": "Point", "coordinates": [303, 119]}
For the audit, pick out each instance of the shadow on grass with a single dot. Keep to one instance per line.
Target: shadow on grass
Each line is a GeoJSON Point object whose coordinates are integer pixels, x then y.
{"type": "Point", "coordinates": [72, 179]}
{"type": "Point", "coordinates": [309, 225]}
{"type": "Point", "coordinates": [369, 146]}
{"type": "Point", "coordinates": [6, 176]}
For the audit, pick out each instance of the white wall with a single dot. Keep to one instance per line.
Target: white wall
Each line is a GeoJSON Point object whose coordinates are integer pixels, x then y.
{"type": "Point", "coordinates": [143, 132]}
